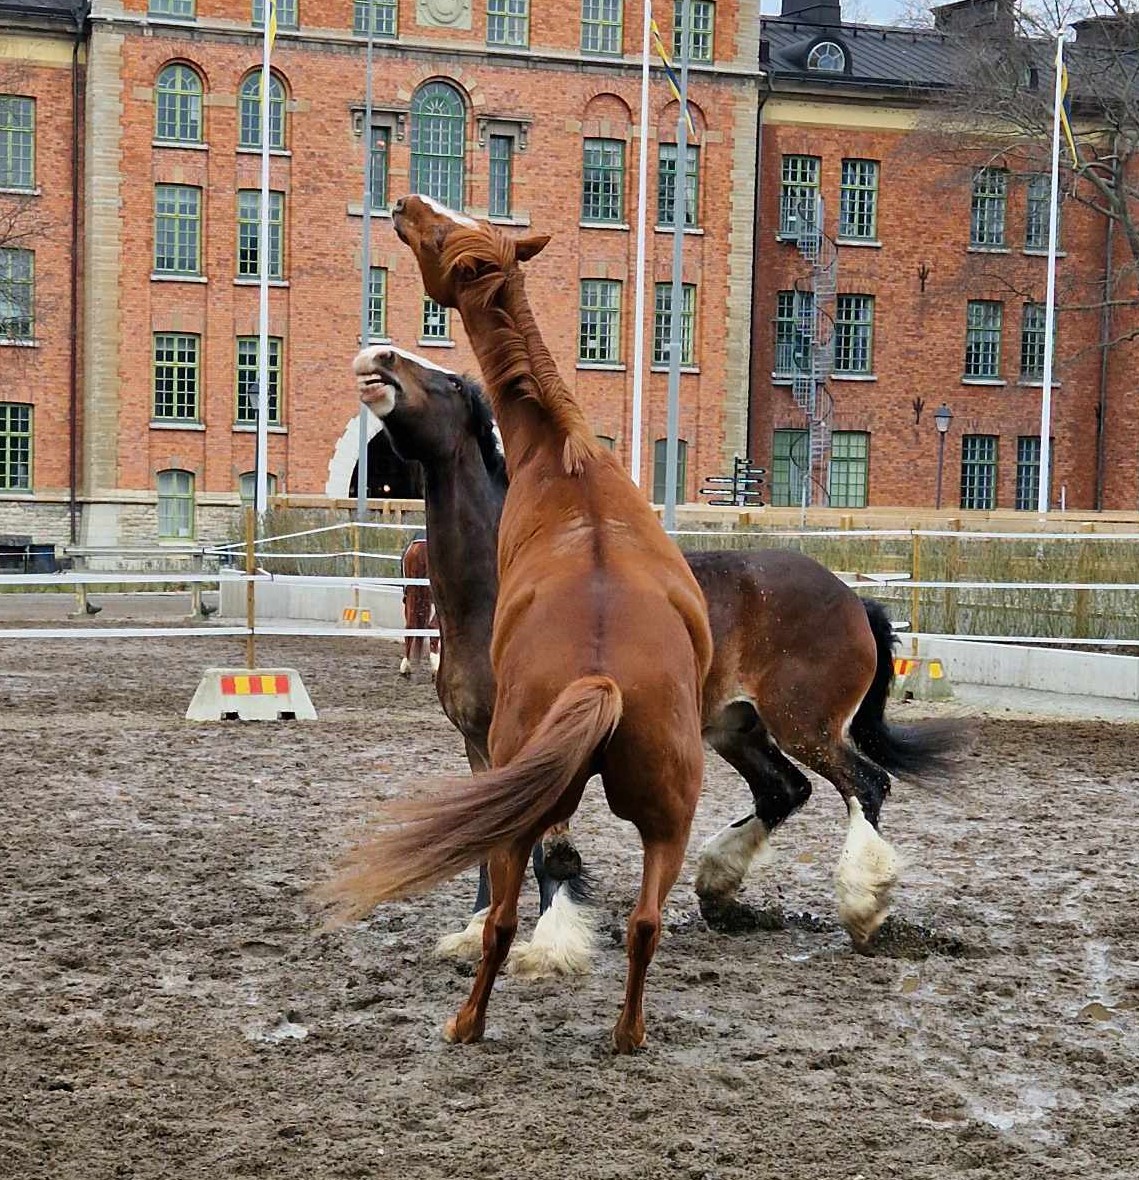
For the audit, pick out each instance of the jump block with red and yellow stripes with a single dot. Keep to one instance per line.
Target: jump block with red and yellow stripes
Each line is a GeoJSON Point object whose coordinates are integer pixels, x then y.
{"type": "Point", "coordinates": [251, 694]}
{"type": "Point", "coordinates": [920, 680]}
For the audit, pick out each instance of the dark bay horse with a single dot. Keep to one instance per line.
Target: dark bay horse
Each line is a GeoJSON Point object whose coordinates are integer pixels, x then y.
{"type": "Point", "coordinates": [418, 610]}
{"type": "Point", "coordinates": [801, 665]}
{"type": "Point", "coordinates": [600, 645]}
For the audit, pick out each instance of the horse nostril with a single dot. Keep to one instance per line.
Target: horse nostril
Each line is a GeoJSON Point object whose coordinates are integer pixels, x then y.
{"type": "Point", "coordinates": [398, 206]}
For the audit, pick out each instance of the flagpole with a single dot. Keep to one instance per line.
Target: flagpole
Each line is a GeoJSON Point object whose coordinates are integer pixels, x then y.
{"type": "Point", "coordinates": [261, 463]}
{"type": "Point", "coordinates": [635, 427]}
{"type": "Point", "coordinates": [1050, 297]}
{"type": "Point", "coordinates": [366, 272]}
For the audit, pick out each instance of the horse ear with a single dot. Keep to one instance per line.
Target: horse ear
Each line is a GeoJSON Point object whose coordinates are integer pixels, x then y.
{"type": "Point", "coordinates": [527, 247]}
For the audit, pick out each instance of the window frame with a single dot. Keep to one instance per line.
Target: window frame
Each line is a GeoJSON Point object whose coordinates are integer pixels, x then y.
{"type": "Point", "coordinates": [816, 53]}
{"type": "Point", "coordinates": [988, 209]}
{"type": "Point", "coordinates": [505, 22]}
{"type": "Point", "coordinates": [1036, 214]}
{"type": "Point", "coordinates": [605, 192]}
{"type": "Point", "coordinates": [248, 500]}
{"type": "Point", "coordinates": [979, 472]}
{"type": "Point", "coordinates": [432, 313]}
{"type": "Point", "coordinates": [660, 459]}
{"type": "Point", "coordinates": [848, 475]}
{"type": "Point", "coordinates": [983, 340]}
{"type": "Point", "coordinates": [1027, 487]}
{"type": "Point", "coordinates": [599, 321]}
{"type": "Point", "coordinates": [858, 200]}
{"type": "Point", "coordinates": [288, 15]}
{"type": "Point", "coordinates": [787, 329]}
{"type": "Point", "coordinates": [183, 97]}
{"type": "Point", "coordinates": [249, 234]}
{"type": "Point", "coordinates": [662, 325]}
{"type": "Point", "coordinates": [361, 9]}
{"type": "Point", "coordinates": [702, 39]}
{"type": "Point", "coordinates": [854, 335]}
{"type": "Point", "coordinates": [17, 143]}
{"type": "Point", "coordinates": [666, 185]}
{"type": "Point", "coordinates": [189, 9]}
{"type": "Point", "coordinates": [788, 476]}
{"type": "Point", "coordinates": [189, 396]}
{"type": "Point", "coordinates": [174, 498]}
{"type": "Point", "coordinates": [1033, 341]}
{"type": "Point", "coordinates": [246, 376]}
{"type": "Point", "coordinates": [11, 286]}
{"type": "Point", "coordinates": [607, 27]}
{"type": "Point", "coordinates": [799, 176]}
{"type": "Point", "coordinates": [17, 447]}
{"type": "Point", "coordinates": [249, 112]}
{"type": "Point", "coordinates": [436, 129]}
{"type": "Point", "coordinates": [176, 219]}
{"type": "Point", "coordinates": [377, 303]}
{"type": "Point", "coordinates": [494, 208]}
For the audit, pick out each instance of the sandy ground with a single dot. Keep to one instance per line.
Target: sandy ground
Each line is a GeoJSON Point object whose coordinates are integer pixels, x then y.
{"type": "Point", "coordinates": [169, 1007]}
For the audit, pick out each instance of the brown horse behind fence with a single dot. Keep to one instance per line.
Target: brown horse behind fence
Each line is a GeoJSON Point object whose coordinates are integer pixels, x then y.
{"type": "Point", "coordinates": [418, 611]}
{"type": "Point", "coordinates": [600, 648]}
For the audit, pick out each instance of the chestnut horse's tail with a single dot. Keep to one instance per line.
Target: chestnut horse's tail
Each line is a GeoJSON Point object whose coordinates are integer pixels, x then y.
{"type": "Point", "coordinates": [459, 822]}
{"type": "Point", "coordinates": [913, 751]}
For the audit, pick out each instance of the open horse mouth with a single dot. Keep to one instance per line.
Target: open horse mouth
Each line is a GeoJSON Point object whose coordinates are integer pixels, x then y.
{"type": "Point", "coordinates": [378, 392]}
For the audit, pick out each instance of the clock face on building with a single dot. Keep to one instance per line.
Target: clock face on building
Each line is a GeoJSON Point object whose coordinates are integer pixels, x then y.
{"type": "Point", "coordinates": [452, 14]}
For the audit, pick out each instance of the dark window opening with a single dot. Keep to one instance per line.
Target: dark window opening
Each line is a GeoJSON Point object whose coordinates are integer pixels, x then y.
{"type": "Point", "coordinates": [389, 476]}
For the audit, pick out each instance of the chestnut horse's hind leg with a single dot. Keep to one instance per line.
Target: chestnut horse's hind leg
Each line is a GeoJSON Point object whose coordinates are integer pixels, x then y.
{"type": "Point", "coordinates": [507, 869]}
{"type": "Point", "coordinates": [779, 789]}
{"type": "Point", "coordinates": [663, 860]}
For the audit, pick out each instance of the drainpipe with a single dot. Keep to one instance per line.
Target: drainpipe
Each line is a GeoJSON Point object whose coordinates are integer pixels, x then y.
{"type": "Point", "coordinates": [80, 14]}
{"type": "Point", "coordinates": [765, 94]}
{"type": "Point", "coordinates": [1104, 346]}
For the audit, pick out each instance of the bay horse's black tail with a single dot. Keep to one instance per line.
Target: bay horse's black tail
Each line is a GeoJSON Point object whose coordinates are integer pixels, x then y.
{"type": "Point", "coordinates": [920, 750]}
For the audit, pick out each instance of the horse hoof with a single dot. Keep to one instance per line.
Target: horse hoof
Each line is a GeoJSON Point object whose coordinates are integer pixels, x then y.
{"type": "Point", "coordinates": [626, 1041]}
{"type": "Point", "coordinates": [561, 860]}
{"type": "Point", "coordinates": [454, 1035]}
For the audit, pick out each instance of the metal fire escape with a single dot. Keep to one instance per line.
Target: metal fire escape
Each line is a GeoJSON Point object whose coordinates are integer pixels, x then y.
{"type": "Point", "coordinates": [814, 348]}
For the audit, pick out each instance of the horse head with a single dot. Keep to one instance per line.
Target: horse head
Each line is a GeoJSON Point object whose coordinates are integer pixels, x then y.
{"type": "Point", "coordinates": [426, 409]}
{"type": "Point", "coordinates": [455, 252]}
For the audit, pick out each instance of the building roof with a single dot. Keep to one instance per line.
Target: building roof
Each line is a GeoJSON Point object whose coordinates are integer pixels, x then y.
{"type": "Point", "coordinates": [875, 55]}
{"type": "Point", "coordinates": [69, 13]}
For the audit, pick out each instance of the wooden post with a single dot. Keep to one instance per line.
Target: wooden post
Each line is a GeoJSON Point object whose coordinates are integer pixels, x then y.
{"type": "Point", "coordinates": [915, 593]}
{"type": "Point", "coordinates": [197, 565]}
{"type": "Point", "coordinates": [250, 590]}
{"type": "Point", "coordinates": [952, 574]}
{"type": "Point", "coordinates": [356, 568]}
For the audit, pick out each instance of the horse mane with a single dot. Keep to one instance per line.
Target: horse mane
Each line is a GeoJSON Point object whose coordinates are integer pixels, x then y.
{"type": "Point", "coordinates": [483, 428]}
{"type": "Point", "coordinates": [516, 355]}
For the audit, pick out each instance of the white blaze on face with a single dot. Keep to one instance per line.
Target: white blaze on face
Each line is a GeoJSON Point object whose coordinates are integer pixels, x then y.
{"type": "Point", "coordinates": [380, 397]}
{"type": "Point", "coordinates": [450, 214]}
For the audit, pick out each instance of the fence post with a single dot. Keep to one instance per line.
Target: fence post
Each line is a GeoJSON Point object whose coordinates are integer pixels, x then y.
{"type": "Point", "coordinates": [356, 569]}
{"type": "Point", "coordinates": [915, 593]}
{"type": "Point", "coordinates": [1081, 621]}
{"type": "Point", "coordinates": [197, 565]}
{"type": "Point", "coordinates": [952, 574]}
{"type": "Point", "coordinates": [250, 589]}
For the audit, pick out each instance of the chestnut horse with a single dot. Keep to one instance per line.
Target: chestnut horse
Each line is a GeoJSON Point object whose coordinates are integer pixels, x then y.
{"type": "Point", "coordinates": [418, 610]}
{"type": "Point", "coordinates": [796, 654]}
{"type": "Point", "coordinates": [600, 646]}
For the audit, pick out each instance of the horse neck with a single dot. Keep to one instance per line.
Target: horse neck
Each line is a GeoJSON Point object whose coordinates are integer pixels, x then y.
{"type": "Point", "coordinates": [536, 412]}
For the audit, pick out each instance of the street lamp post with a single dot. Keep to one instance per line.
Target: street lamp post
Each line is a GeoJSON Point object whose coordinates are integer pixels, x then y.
{"type": "Point", "coordinates": [941, 419]}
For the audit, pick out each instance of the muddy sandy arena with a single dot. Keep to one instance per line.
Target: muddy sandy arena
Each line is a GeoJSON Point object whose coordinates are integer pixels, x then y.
{"type": "Point", "coordinates": [169, 1007]}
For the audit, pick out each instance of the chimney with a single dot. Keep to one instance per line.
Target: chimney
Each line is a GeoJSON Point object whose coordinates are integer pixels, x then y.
{"type": "Point", "coordinates": [975, 16]}
{"type": "Point", "coordinates": [825, 13]}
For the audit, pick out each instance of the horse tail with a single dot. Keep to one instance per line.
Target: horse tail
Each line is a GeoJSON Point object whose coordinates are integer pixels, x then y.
{"type": "Point", "coordinates": [920, 750]}
{"type": "Point", "coordinates": [459, 822]}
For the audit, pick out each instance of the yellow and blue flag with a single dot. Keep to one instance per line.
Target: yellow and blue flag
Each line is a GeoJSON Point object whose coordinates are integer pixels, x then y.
{"type": "Point", "coordinates": [1065, 115]}
{"type": "Point", "coordinates": [671, 78]}
{"type": "Point", "coordinates": [271, 28]}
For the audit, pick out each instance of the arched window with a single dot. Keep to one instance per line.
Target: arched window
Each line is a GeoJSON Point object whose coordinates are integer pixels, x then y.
{"type": "Point", "coordinates": [438, 141]}
{"type": "Point", "coordinates": [175, 505]}
{"type": "Point", "coordinates": [178, 105]}
{"type": "Point", "coordinates": [660, 467]}
{"type": "Point", "coordinates": [827, 57]}
{"type": "Point", "coordinates": [247, 486]}
{"type": "Point", "coordinates": [249, 112]}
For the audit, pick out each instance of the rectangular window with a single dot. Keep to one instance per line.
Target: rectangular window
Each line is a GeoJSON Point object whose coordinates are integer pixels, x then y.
{"type": "Point", "coordinates": [601, 26]}
{"type": "Point", "coordinates": [666, 184]}
{"type": "Point", "coordinates": [17, 294]}
{"type": "Point", "coordinates": [1027, 472]}
{"type": "Point", "coordinates": [849, 476]}
{"type": "Point", "coordinates": [183, 8]}
{"type": "Point", "coordinates": [17, 141]}
{"type": "Point", "coordinates": [176, 356]}
{"type": "Point", "coordinates": [384, 15]}
{"type": "Point", "coordinates": [1036, 213]}
{"type": "Point", "coordinates": [380, 155]}
{"type": "Point", "coordinates": [662, 324]}
{"type": "Point", "coordinates": [990, 200]}
{"type": "Point", "coordinates": [15, 447]}
{"type": "Point", "coordinates": [177, 229]}
{"type": "Point", "coordinates": [789, 471]}
{"type": "Point", "coordinates": [175, 505]}
{"type": "Point", "coordinates": [249, 234]}
{"type": "Point", "coordinates": [858, 200]}
{"type": "Point", "coordinates": [501, 174]}
{"type": "Point", "coordinates": [854, 334]}
{"type": "Point", "coordinates": [794, 316]}
{"type": "Point", "coordinates": [436, 320]}
{"type": "Point", "coordinates": [798, 195]}
{"type": "Point", "coordinates": [983, 338]}
{"type": "Point", "coordinates": [979, 471]}
{"type": "Point", "coordinates": [660, 469]}
{"type": "Point", "coordinates": [702, 24]}
{"type": "Point", "coordinates": [248, 355]}
{"type": "Point", "coordinates": [286, 14]}
{"type": "Point", "coordinates": [603, 183]}
{"type": "Point", "coordinates": [507, 22]}
{"type": "Point", "coordinates": [377, 303]}
{"type": "Point", "coordinates": [600, 322]}
{"type": "Point", "coordinates": [1032, 342]}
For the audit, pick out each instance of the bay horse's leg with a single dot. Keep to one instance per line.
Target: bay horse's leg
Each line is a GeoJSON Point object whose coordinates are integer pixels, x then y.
{"type": "Point", "coordinates": [779, 789]}
{"type": "Point", "coordinates": [507, 868]}
{"type": "Point", "coordinates": [663, 859]}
